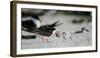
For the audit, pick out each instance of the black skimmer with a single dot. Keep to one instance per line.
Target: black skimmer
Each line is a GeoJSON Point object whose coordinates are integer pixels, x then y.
{"type": "Point", "coordinates": [34, 26]}
{"type": "Point", "coordinates": [83, 30]}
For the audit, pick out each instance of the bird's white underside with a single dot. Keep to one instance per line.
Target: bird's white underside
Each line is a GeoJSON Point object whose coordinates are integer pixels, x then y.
{"type": "Point", "coordinates": [37, 22]}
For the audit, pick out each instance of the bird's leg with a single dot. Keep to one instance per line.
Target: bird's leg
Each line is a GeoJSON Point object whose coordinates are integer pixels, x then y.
{"type": "Point", "coordinates": [45, 39]}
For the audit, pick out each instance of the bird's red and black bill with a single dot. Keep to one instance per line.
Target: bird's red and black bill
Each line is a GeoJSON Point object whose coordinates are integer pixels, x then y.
{"type": "Point", "coordinates": [57, 34]}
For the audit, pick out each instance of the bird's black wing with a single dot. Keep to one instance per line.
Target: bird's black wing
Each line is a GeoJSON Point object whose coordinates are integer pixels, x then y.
{"type": "Point", "coordinates": [28, 24]}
